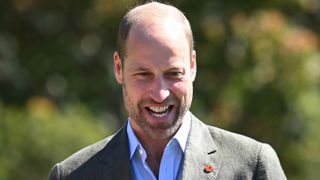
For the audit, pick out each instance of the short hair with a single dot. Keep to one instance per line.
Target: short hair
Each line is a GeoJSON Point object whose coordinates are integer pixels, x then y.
{"type": "Point", "coordinates": [131, 18]}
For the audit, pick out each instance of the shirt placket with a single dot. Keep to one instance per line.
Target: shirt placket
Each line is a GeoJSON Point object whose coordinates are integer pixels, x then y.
{"type": "Point", "coordinates": [143, 161]}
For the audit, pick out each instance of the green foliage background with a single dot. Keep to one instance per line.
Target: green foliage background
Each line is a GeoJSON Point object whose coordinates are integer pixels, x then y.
{"type": "Point", "coordinates": [258, 75]}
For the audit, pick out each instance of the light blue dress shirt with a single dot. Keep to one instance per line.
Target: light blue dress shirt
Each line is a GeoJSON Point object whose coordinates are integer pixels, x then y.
{"type": "Point", "coordinates": [171, 158]}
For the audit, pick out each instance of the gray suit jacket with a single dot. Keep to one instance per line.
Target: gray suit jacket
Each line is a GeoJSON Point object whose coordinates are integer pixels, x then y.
{"type": "Point", "coordinates": [232, 156]}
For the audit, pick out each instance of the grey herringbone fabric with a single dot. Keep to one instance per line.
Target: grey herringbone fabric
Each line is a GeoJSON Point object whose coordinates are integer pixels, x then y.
{"type": "Point", "coordinates": [232, 156]}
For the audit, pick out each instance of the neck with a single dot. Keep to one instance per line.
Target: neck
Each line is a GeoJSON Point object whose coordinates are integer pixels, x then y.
{"type": "Point", "coordinates": [153, 146]}
{"type": "Point", "coordinates": [154, 149]}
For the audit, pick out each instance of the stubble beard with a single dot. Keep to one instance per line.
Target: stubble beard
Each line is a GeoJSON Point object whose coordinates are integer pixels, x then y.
{"type": "Point", "coordinates": [160, 132]}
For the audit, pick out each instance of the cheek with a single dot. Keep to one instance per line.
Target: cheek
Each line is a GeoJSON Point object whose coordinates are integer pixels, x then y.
{"type": "Point", "coordinates": [180, 88]}
{"type": "Point", "coordinates": [136, 89]}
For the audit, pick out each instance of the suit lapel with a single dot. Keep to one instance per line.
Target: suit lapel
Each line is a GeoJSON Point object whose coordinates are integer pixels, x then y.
{"type": "Point", "coordinates": [116, 157]}
{"type": "Point", "coordinates": [201, 152]}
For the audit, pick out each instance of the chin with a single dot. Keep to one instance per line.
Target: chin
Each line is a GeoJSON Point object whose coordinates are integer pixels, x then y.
{"type": "Point", "coordinates": [164, 130]}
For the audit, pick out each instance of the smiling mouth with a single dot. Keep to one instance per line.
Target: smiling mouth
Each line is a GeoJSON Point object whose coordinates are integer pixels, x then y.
{"type": "Point", "coordinates": [159, 112]}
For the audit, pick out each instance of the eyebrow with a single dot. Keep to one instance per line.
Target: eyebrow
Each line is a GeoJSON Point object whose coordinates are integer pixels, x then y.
{"type": "Point", "coordinates": [175, 68]}
{"type": "Point", "coordinates": [139, 68]}
{"type": "Point", "coordinates": [146, 68]}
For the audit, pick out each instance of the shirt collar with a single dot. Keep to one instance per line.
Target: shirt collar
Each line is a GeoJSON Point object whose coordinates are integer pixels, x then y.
{"type": "Point", "coordinates": [181, 136]}
{"type": "Point", "coordinates": [133, 140]}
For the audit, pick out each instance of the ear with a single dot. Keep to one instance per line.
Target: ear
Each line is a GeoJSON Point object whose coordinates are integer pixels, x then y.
{"type": "Point", "coordinates": [193, 65]}
{"type": "Point", "coordinates": [117, 67]}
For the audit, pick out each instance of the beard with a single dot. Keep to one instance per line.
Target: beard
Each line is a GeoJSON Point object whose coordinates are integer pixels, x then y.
{"type": "Point", "coordinates": [160, 131]}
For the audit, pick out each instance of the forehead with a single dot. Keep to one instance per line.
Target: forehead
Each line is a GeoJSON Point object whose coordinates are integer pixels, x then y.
{"type": "Point", "coordinates": [164, 31]}
{"type": "Point", "coordinates": [156, 64]}
{"type": "Point", "coordinates": [163, 42]}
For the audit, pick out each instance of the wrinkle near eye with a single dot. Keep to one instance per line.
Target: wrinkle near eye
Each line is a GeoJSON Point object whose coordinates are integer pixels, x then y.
{"type": "Point", "coordinates": [175, 74]}
{"type": "Point", "coordinates": [142, 75]}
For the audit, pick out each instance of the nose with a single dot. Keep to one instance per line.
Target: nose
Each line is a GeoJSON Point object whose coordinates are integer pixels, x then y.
{"type": "Point", "coordinates": [159, 90]}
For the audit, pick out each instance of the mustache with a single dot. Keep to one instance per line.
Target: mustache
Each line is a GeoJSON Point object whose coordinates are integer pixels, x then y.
{"type": "Point", "coordinates": [172, 99]}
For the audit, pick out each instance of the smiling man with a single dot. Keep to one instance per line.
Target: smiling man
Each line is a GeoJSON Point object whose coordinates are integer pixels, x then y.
{"type": "Point", "coordinates": [156, 65]}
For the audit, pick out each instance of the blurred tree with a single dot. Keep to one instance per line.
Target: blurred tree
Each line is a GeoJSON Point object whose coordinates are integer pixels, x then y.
{"type": "Point", "coordinates": [32, 140]}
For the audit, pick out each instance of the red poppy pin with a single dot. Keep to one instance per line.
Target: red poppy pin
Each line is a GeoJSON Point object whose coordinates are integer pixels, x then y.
{"type": "Point", "coordinates": [208, 168]}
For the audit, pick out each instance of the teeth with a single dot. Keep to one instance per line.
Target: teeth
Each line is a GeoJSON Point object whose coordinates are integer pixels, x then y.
{"type": "Point", "coordinates": [159, 109]}
{"type": "Point", "coordinates": [159, 115]}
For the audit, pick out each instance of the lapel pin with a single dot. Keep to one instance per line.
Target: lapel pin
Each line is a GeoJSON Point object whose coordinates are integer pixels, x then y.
{"type": "Point", "coordinates": [208, 168]}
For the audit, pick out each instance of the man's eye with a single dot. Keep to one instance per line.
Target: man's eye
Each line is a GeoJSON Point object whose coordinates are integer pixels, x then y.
{"type": "Point", "coordinates": [142, 74]}
{"type": "Point", "coordinates": [145, 74]}
{"type": "Point", "coordinates": [176, 74]}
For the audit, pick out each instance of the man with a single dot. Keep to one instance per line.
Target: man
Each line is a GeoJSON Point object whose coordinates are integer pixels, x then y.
{"type": "Point", "coordinates": [156, 65]}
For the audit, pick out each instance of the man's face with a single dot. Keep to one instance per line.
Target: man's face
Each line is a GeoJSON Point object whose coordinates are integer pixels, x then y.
{"type": "Point", "coordinates": [157, 77]}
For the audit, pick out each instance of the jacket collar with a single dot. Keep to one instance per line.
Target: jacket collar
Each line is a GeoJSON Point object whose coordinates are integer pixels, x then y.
{"type": "Point", "coordinates": [201, 152]}
{"type": "Point", "coordinates": [116, 156]}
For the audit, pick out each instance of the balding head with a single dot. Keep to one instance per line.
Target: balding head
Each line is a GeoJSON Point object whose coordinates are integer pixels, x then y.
{"type": "Point", "coordinates": [152, 14]}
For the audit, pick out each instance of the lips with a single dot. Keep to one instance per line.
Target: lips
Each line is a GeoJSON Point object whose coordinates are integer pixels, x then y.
{"type": "Point", "coordinates": [159, 112]}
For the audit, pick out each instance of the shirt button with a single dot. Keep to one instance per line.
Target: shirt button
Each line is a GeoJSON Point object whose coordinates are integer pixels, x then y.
{"type": "Point", "coordinates": [140, 152]}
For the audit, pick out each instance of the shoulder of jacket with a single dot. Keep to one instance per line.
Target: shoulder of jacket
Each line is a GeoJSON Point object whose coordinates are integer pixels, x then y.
{"type": "Point", "coordinates": [229, 138]}
{"type": "Point", "coordinates": [90, 150]}
{"type": "Point", "coordinates": [221, 136]}
{"type": "Point", "coordinates": [83, 155]}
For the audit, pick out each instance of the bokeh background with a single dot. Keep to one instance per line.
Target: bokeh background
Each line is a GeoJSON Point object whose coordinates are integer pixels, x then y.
{"type": "Point", "coordinates": [258, 75]}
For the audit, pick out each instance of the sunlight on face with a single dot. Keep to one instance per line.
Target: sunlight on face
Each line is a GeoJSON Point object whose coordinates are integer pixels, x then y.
{"type": "Point", "coordinates": [157, 78]}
